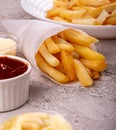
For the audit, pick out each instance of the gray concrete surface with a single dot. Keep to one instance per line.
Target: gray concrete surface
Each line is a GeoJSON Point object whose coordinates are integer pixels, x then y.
{"type": "Point", "coordinates": [86, 108]}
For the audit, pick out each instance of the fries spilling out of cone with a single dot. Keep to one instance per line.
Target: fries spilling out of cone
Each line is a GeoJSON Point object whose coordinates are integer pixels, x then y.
{"type": "Point", "coordinates": [68, 57]}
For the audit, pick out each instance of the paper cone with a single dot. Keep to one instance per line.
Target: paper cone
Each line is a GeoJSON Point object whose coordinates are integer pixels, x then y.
{"type": "Point", "coordinates": [31, 34]}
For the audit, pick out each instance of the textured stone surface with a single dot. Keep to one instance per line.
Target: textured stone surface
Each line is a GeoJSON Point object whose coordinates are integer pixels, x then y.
{"type": "Point", "coordinates": [86, 108]}
{"type": "Point", "coordinates": [12, 9]}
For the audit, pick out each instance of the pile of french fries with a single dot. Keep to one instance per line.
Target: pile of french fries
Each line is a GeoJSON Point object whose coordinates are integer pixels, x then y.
{"type": "Point", "coordinates": [68, 57]}
{"type": "Point", "coordinates": [85, 12]}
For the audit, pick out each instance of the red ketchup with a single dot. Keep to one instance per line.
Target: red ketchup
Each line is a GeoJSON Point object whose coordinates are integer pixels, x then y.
{"type": "Point", "coordinates": [10, 67]}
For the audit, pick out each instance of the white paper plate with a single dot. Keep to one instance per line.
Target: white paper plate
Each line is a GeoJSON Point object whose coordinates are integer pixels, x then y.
{"type": "Point", "coordinates": [38, 8]}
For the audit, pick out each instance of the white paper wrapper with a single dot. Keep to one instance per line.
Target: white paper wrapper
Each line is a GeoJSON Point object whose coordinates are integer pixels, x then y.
{"type": "Point", "coordinates": [31, 33]}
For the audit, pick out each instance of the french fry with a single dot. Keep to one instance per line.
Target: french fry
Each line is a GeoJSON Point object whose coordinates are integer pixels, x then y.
{"type": "Point", "coordinates": [90, 11]}
{"type": "Point", "coordinates": [63, 0]}
{"type": "Point", "coordinates": [94, 3]}
{"type": "Point", "coordinates": [67, 47]}
{"type": "Point", "coordinates": [52, 60]}
{"type": "Point", "coordinates": [109, 7]}
{"type": "Point", "coordinates": [97, 65]}
{"type": "Point", "coordinates": [61, 35]}
{"type": "Point", "coordinates": [113, 14]}
{"type": "Point", "coordinates": [78, 37]}
{"type": "Point", "coordinates": [88, 53]}
{"type": "Point", "coordinates": [78, 8]}
{"type": "Point", "coordinates": [84, 21]}
{"type": "Point", "coordinates": [75, 55]}
{"type": "Point", "coordinates": [113, 0]}
{"type": "Point", "coordinates": [57, 18]}
{"type": "Point", "coordinates": [68, 63]}
{"type": "Point", "coordinates": [52, 47]}
{"type": "Point", "coordinates": [58, 56]}
{"type": "Point", "coordinates": [60, 4]}
{"type": "Point", "coordinates": [54, 12]}
{"type": "Point", "coordinates": [89, 72]}
{"type": "Point", "coordinates": [95, 74]}
{"type": "Point", "coordinates": [102, 17]}
{"type": "Point", "coordinates": [95, 12]}
{"type": "Point", "coordinates": [52, 72]}
{"type": "Point", "coordinates": [69, 14]}
{"type": "Point", "coordinates": [82, 74]}
{"type": "Point", "coordinates": [63, 44]}
{"type": "Point", "coordinates": [59, 40]}
{"type": "Point", "coordinates": [60, 68]}
{"type": "Point", "coordinates": [72, 3]}
{"type": "Point", "coordinates": [111, 20]}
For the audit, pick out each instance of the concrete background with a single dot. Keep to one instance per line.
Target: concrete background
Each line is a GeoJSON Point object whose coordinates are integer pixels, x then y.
{"type": "Point", "coordinates": [86, 108]}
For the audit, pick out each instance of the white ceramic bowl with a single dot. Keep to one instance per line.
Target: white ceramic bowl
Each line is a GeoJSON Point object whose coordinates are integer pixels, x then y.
{"type": "Point", "coordinates": [38, 9]}
{"type": "Point", "coordinates": [14, 91]}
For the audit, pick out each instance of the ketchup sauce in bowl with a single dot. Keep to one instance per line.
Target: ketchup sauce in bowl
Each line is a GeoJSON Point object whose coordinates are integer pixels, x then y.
{"type": "Point", "coordinates": [14, 82]}
{"type": "Point", "coordinates": [10, 68]}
